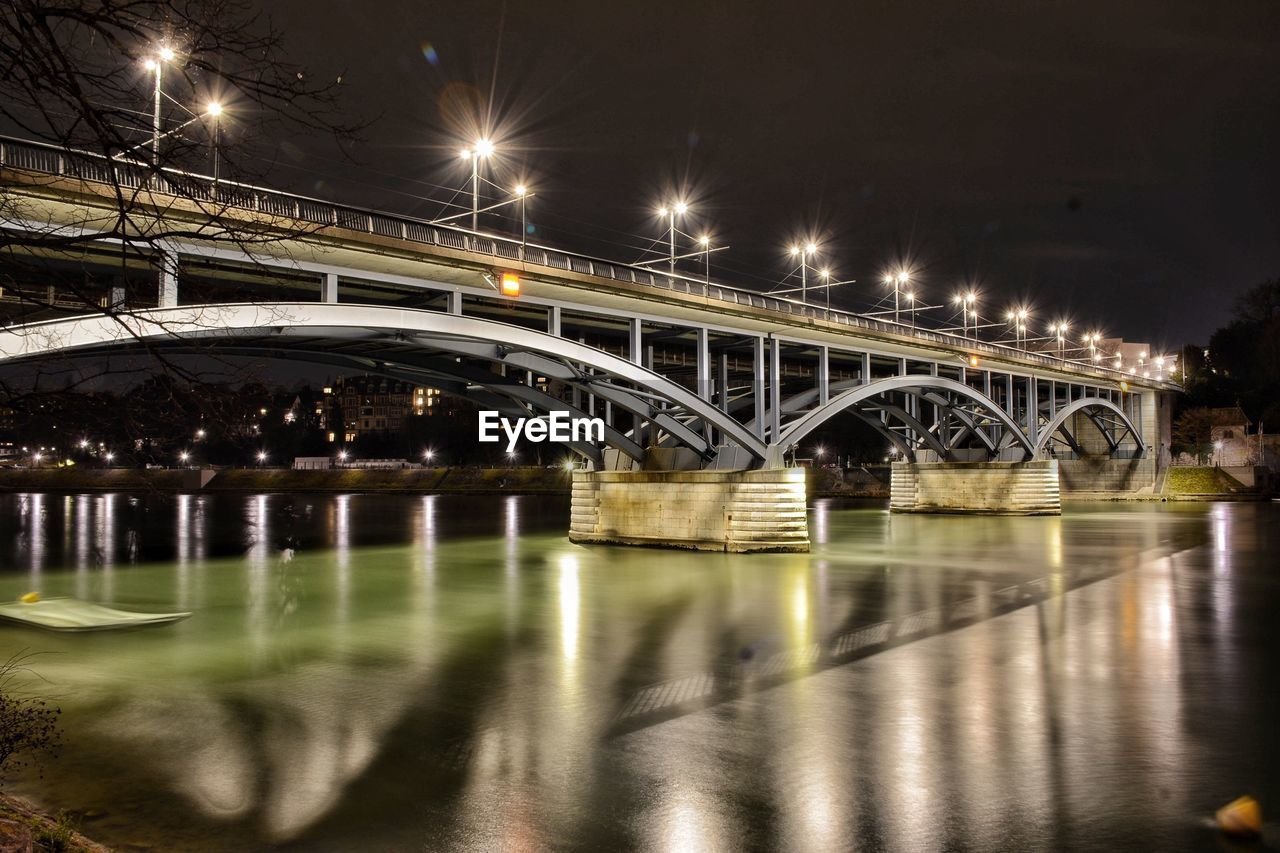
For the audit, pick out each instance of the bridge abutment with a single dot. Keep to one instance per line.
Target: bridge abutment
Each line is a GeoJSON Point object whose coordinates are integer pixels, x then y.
{"type": "Point", "coordinates": [735, 511]}
{"type": "Point", "coordinates": [998, 488]}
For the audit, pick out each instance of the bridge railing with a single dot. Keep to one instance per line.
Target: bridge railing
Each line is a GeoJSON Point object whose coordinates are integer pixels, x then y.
{"type": "Point", "coordinates": [47, 159]}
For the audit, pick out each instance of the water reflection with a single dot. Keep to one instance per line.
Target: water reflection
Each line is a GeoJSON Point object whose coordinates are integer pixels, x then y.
{"type": "Point", "coordinates": [457, 669]}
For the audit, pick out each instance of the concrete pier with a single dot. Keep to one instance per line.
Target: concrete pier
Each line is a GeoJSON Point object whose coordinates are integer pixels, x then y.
{"type": "Point", "coordinates": [736, 511]}
{"type": "Point", "coordinates": [999, 488]}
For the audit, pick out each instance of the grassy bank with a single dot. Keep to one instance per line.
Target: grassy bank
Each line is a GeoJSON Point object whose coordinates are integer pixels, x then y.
{"type": "Point", "coordinates": [442, 480]}
{"type": "Point", "coordinates": [1201, 480]}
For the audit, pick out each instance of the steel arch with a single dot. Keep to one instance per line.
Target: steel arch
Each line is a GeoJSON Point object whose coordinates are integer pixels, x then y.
{"type": "Point", "coordinates": [1086, 405]}
{"type": "Point", "coordinates": [515, 346]}
{"type": "Point", "coordinates": [918, 385]}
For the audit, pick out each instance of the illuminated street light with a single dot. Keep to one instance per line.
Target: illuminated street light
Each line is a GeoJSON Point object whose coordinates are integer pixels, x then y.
{"type": "Point", "coordinates": [214, 110]}
{"type": "Point", "coordinates": [1060, 329]}
{"type": "Point", "coordinates": [262, 456]}
{"type": "Point", "coordinates": [705, 242]}
{"type": "Point", "coordinates": [521, 193]}
{"type": "Point", "coordinates": [967, 302]}
{"type": "Point", "coordinates": [680, 208]}
{"type": "Point", "coordinates": [156, 65]}
{"type": "Point", "coordinates": [897, 283]}
{"type": "Point", "coordinates": [482, 149]}
{"type": "Point", "coordinates": [1018, 317]}
{"type": "Point", "coordinates": [804, 252]}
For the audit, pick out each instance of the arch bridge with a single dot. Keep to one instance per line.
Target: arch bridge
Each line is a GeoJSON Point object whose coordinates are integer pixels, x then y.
{"type": "Point", "coordinates": [692, 377]}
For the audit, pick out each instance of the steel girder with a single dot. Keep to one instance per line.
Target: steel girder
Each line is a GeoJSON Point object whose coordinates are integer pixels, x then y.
{"type": "Point", "coordinates": [592, 370]}
{"type": "Point", "coordinates": [1095, 408]}
{"type": "Point", "coordinates": [975, 411]}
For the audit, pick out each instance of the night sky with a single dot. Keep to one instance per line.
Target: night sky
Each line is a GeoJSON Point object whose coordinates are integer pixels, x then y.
{"type": "Point", "coordinates": [1114, 164]}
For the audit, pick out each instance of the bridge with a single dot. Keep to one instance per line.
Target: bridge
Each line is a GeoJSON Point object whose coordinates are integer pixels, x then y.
{"type": "Point", "coordinates": [704, 387]}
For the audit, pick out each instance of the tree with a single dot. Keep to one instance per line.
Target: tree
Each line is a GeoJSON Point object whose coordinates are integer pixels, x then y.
{"type": "Point", "coordinates": [93, 80]}
{"type": "Point", "coordinates": [28, 724]}
{"type": "Point", "coordinates": [1246, 352]}
{"type": "Point", "coordinates": [1193, 433]}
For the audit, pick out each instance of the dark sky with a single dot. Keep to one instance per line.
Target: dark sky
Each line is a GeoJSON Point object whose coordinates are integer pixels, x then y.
{"type": "Point", "coordinates": [1115, 163]}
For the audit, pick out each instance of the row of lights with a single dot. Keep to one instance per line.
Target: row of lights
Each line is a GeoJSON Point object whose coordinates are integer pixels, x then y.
{"type": "Point", "coordinates": [483, 149]}
{"type": "Point", "coordinates": [804, 252]}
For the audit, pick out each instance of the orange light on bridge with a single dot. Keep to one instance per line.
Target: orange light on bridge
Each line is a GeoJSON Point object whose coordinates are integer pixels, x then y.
{"type": "Point", "coordinates": [510, 284]}
{"type": "Point", "coordinates": [973, 361]}
{"type": "Point", "coordinates": [1124, 386]}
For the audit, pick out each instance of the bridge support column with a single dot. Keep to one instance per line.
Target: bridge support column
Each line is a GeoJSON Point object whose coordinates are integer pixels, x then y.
{"type": "Point", "coordinates": [329, 287]}
{"type": "Point", "coordinates": [168, 295]}
{"type": "Point", "coordinates": [735, 511]}
{"type": "Point", "coordinates": [992, 488]}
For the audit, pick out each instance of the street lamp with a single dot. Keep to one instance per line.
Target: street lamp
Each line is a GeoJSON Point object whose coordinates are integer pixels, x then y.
{"type": "Point", "coordinates": [262, 457]}
{"type": "Point", "coordinates": [804, 252]}
{"type": "Point", "coordinates": [156, 64]}
{"type": "Point", "coordinates": [967, 301]}
{"type": "Point", "coordinates": [680, 208]}
{"type": "Point", "coordinates": [1060, 329]}
{"type": "Point", "coordinates": [896, 282]}
{"type": "Point", "coordinates": [705, 242]}
{"type": "Point", "coordinates": [184, 456]}
{"type": "Point", "coordinates": [1017, 317]}
{"type": "Point", "coordinates": [1091, 339]}
{"type": "Point", "coordinates": [482, 149]}
{"type": "Point", "coordinates": [427, 456]}
{"type": "Point", "coordinates": [521, 192]}
{"type": "Point", "coordinates": [214, 110]}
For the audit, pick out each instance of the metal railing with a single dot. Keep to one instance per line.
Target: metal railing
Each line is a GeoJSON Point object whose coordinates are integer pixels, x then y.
{"type": "Point", "coordinates": [48, 159]}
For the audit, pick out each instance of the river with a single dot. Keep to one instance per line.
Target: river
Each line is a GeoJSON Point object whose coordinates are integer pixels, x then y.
{"type": "Point", "coordinates": [448, 673]}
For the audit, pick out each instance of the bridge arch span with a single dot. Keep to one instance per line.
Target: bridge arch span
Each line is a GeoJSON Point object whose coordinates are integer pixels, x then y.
{"type": "Point", "coordinates": [976, 414]}
{"type": "Point", "coordinates": [399, 341]}
{"type": "Point", "coordinates": [1098, 410]}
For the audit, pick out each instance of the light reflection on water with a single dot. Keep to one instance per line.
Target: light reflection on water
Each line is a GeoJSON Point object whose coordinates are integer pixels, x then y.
{"type": "Point", "coordinates": [449, 673]}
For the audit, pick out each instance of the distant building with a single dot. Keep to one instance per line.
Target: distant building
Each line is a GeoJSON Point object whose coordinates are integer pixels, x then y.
{"type": "Point", "coordinates": [1229, 422]}
{"type": "Point", "coordinates": [368, 404]}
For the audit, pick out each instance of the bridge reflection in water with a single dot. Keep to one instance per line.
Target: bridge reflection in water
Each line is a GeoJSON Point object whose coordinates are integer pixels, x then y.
{"type": "Point", "coordinates": [450, 673]}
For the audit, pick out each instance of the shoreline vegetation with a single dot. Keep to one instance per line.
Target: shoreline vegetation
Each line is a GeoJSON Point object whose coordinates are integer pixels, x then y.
{"type": "Point", "coordinates": [21, 822]}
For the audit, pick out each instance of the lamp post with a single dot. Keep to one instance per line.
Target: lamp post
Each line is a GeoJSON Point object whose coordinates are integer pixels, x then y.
{"type": "Point", "coordinates": [214, 110]}
{"type": "Point", "coordinates": [521, 192]}
{"type": "Point", "coordinates": [482, 149]}
{"type": "Point", "coordinates": [896, 282]}
{"type": "Point", "coordinates": [705, 242]}
{"type": "Point", "coordinates": [1060, 329]}
{"type": "Point", "coordinates": [1017, 317]}
{"type": "Point", "coordinates": [804, 252]}
{"type": "Point", "coordinates": [670, 213]}
{"type": "Point", "coordinates": [156, 64]}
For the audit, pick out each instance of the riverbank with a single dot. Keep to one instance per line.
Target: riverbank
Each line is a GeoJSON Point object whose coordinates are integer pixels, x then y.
{"type": "Point", "coordinates": [23, 827]}
{"type": "Point", "coordinates": [536, 481]}
{"type": "Point", "coordinates": [823, 482]}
